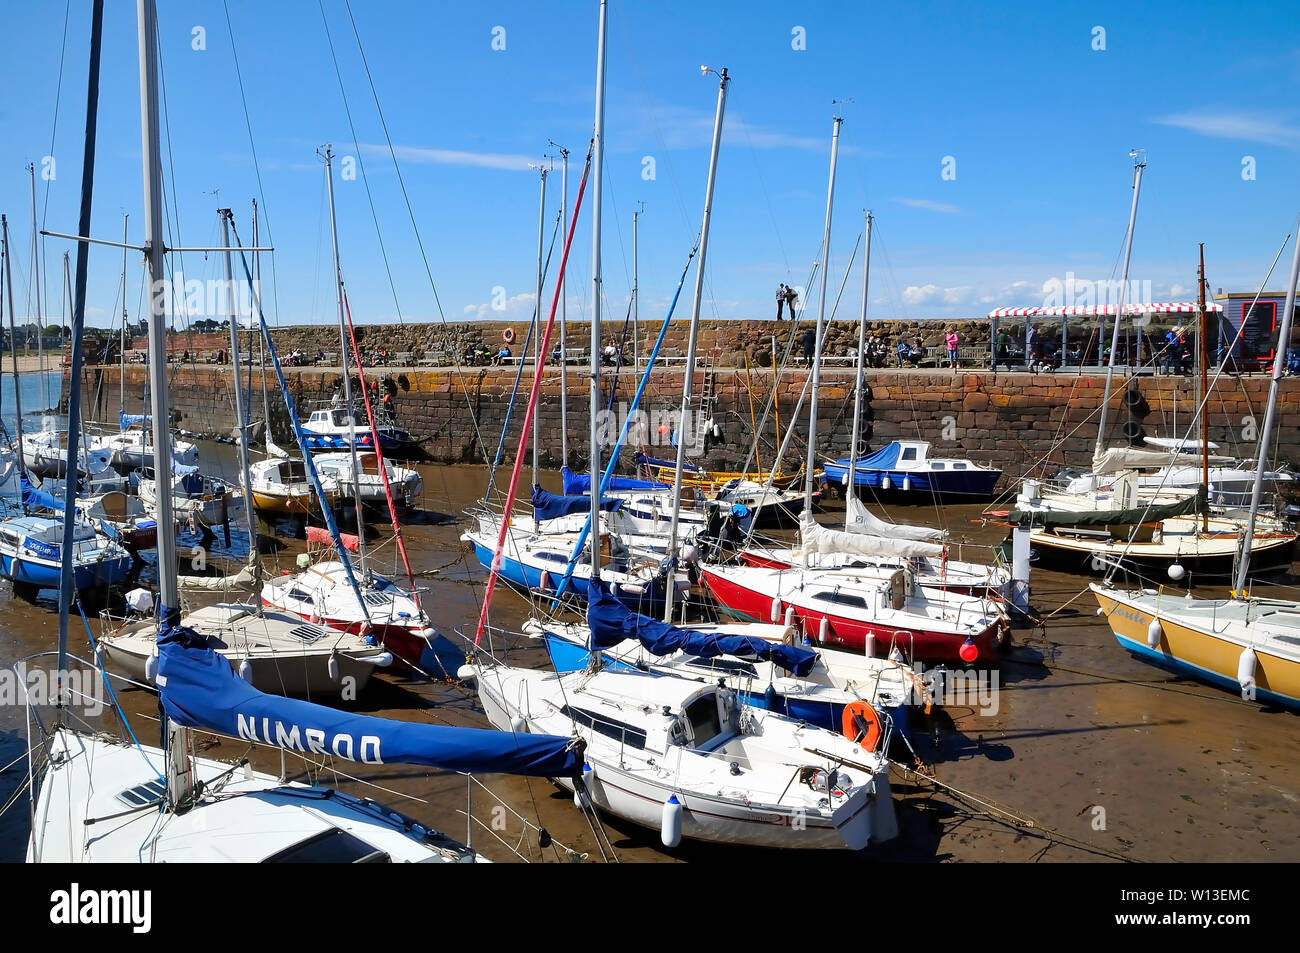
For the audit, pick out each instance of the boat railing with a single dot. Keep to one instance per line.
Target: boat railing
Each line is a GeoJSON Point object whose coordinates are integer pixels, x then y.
{"type": "Point", "coordinates": [76, 690]}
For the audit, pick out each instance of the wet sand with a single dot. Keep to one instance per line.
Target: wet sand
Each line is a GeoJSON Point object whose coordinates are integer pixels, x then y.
{"type": "Point", "coordinates": [1182, 771]}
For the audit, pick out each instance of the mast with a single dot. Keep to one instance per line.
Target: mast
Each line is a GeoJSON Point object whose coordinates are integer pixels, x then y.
{"type": "Point", "coordinates": [261, 345]}
{"type": "Point", "coordinates": [636, 295]}
{"type": "Point", "coordinates": [1270, 413]}
{"type": "Point", "coordinates": [241, 412]}
{"type": "Point", "coordinates": [539, 359]}
{"type": "Point", "coordinates": [1138, 166]}
{"type": "Point", "coordinates": [13, 337]}
{"type": "Point", "coordinates": [857, 381]}
{"type": "Point", "coordinates": [811, 464]}
{"type": "Point", "coordinates": [598, 159]}
{"type": "Point", "coordinates": [78, 304]}
{"type": "Point", "coordinates": [564, 343]}
{"type": "Point", "coordinates": [36, 280]}
{"type": "Point", "coordinates": [347, 378]}
{"type": "Point", "coordinates": [1204, 401]}
{"type": "Point", "coordinates": [179, 776]}
{"type": "Point", "coordinates": [121, 346]}
{"type": "Point", "coordinates": [688, 379]}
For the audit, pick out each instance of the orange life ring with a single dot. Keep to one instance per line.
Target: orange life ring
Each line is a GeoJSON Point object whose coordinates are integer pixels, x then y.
{"type": "Point", "coordinates": [866, 734]}
{"type": "Point", "coordinates": [509, 335]}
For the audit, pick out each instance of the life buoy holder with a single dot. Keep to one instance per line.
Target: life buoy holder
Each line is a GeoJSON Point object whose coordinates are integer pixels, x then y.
{"type": "Point", "coordinates": [508, 335]}
{"type": "Point", "coordinates": [860, 723]}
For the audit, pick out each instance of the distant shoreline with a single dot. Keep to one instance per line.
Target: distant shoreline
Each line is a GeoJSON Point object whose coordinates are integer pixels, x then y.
{"type": "Point", "coordinates": [31, 362]}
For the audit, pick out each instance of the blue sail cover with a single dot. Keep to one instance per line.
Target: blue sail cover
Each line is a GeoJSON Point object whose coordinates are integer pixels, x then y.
{"type": "Point", "coordinates": [35, 497]}
{"type": "Point", "coordinates": [129, 420]}
{"type": "Point", "coordinates": [883, 459]}
{"type": "Point", "coordinates": [199, 689]}
{"type": "Point", "coordinates": [579, 483]}
{"type": "Point", "coordinates": [641, 458]}
{"type": "Point", "coordinates": [610, 623]}
{"type": "Point", "coordinates": [547, 506]}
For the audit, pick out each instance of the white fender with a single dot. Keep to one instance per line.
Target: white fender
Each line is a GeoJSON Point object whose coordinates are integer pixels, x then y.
{"type": "Point", "coordinates": [151, 668]}
{"type": "Point", "coordinates": [1153, 633]}
{"type": "Point", "coordinates": [775, 614]}
{"type": "Point", "coordinates": [823, 629]}
{"type": "Point", "coordinates": [334, 667]}
{"type": "Point", "coordinates": [789, 616]}
{"type": "Point", "coordinates": [670, 828]}
{"type": "Point", "coordinates": [1176, 572]}
{"type": "Point", "coordinates": [844, 480]}
{"type": "Point", "coordinates": [246, 670]}
{"type": "Point", "coordinates": [886, 483]}
{"type": "Point", "coordinates": [1246, 670]}
{"type": "Point", "coordinates": [546, 579]}
{"type": "Point", "coordinates": [907, 484]}
{"type": "Point", "coordinates": [871, 645]}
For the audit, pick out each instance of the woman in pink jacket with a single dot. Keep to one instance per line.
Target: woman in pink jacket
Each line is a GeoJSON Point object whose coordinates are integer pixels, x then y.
{"type": "Point", "coordinates": [952, 341]}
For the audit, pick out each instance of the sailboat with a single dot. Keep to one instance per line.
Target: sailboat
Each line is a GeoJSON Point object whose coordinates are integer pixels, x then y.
{"type": "Point", "coordinates": [131, 448]}
{"type": "Point", "coordinates": [1242, 642]}
{"type": "Point", "coordinates": [97, 799]}
{"type": "Point", "coordinates": [330, 591]}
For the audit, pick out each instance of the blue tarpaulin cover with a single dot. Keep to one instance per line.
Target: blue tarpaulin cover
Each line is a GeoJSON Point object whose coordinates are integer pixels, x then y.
{"type": "Point", "coordinates": [128, 420]}
{"type": "Point", "coordinates": [199, 689]}
{"type": "Point", "coordinates": [610, 623]}
{"type": "Point", "coordinates": [547, 506]}
{"type": "Point", "coordinates": [883, 459]}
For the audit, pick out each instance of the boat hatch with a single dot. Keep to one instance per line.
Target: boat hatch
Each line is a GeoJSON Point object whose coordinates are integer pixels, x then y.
{"type": "Point", "coordinates": [332, 846]}
{"type": "Point", "coordinates": [704, 719]}
{"type": "Point", "coordinates": [308, 633]}
{"type": "Point", "coordinates": [621, 732]}
{"type": "Point", "coordinates": [841, 599]}
{"type": "Point", "coordinates": [375, 599]}
{"type": "Point", "coordinates": [143, 795]}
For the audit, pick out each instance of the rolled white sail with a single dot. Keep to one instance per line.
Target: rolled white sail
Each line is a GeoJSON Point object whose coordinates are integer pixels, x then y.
{"type": "Point", "coordinates": [819, 539]}
{"type": "Point", "coordinates": [861, 520]}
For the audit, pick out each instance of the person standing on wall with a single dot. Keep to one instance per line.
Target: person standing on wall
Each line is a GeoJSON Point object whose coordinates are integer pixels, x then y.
{"type": "Point", "coordinates": [1000, 352]}
{"type": "Point", "coordinates": [791, 296]}
{"type": "Point", "coordinates": [780, 299]}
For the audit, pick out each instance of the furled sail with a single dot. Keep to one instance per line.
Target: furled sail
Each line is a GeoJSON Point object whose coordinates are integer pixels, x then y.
{"type": "Point", "coordinates": [819, 539]}
{"type": "Point", "coordinates": [1122, 517]}
{"type": "Point", "coordinates": [199, 689]}
{"type": "Point", "coordinates": [861, 520]}
{"type": "Point", "coordinates": [610, 623]}
{"type": "Point", "coordinates": [549, 506]}
{"type": "Point", "coordinates": [1127, 458]}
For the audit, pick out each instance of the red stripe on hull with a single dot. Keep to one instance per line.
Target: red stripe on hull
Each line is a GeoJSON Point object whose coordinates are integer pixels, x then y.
{"type": "Point", "coordinates": [920, 645]}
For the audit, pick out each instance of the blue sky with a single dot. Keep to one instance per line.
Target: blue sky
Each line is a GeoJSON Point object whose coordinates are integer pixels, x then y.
{"type": "Point", "coordinates": [1039, 124]}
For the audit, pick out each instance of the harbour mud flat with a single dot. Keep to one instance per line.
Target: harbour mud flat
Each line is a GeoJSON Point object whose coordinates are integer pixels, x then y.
{"type": "Point", "coordinates": [1070, 750]}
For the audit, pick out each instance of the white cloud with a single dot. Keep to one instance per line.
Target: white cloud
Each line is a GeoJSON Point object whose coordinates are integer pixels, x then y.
{"type": "Point", "coordinates": [1251, 127]}
{"type": "Point", "coordinates": [929, 205]}
{"type": "Point", "coordinates": [517, 307]}
{"type": "Point", "coordinates": [509, 162]}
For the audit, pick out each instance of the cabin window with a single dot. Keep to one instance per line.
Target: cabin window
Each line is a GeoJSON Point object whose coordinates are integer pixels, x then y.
{"type": "Point", "coordinates": [703, 716]}
{"type": "Point", "coordinates": [333, 846]}
{"type": "Point", "coordinates": [627, 734]}
{"type": "Point", "coordinates": [842, 599]}
{"type": "Point", "coordinates": [909, 453]}
{"type": "Point", "coordinates": [959, 466]}
{"type": "Point", "coordinates": [937, 466]}
{"type": "Point", "coordinates": [553, 558]}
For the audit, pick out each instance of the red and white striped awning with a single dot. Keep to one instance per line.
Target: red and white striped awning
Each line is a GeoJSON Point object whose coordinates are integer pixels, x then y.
{"type": "Point", "coordinates": [1072, 311]}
